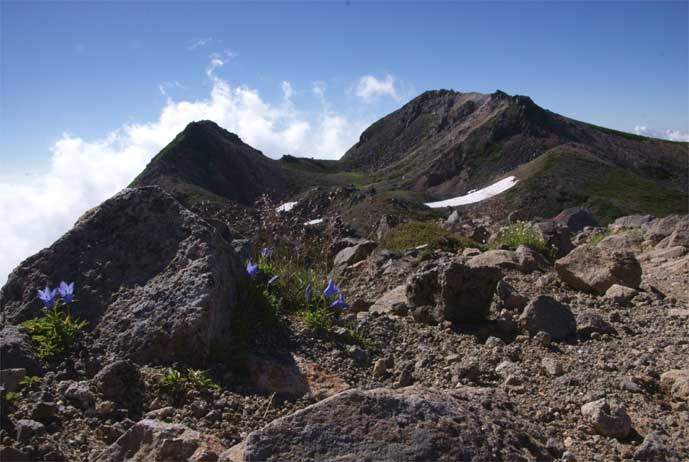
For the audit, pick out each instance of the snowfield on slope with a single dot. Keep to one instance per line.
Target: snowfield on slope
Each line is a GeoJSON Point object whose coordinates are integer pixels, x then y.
{"type": "Point", "coordinates": [286, 207]}
{"type": "Point", "coordinates": [477, 195]}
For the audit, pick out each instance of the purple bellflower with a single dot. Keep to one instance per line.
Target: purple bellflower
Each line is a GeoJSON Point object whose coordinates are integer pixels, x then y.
{"type": "Point", "coordinates": [331, 290]}
{"type": "Point", "coordinates": [251, 269]}
{"type": "Point", "coordinates": [66, 291]}
{"type": "Point", "coordinates": [47, 296]}
{"type": "Point", "coordinates": [340, 303]}
{"type": "Point", "coordinates": [266, 252]}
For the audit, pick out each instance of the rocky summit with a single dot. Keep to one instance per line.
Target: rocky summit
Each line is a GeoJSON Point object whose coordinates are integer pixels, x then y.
{"type": "Point", "coordinates": [231, 307]}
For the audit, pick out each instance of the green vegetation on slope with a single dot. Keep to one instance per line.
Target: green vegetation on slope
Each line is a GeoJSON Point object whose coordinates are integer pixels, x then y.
{"type": "Point", "coordinates": [567, 177]}
{"type": "Point", "coordinates": [416, 233]}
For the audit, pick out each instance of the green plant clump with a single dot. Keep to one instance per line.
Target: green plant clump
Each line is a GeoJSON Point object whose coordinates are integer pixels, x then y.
{"type": "Point", "coordinates": [416, 233]}
{"type": "Point", "coordinates": [521, 233]}
{"type": "Point", "coordinates": [54, 333]}
{"type": "Point", "coordinates": [318, 320]}
{"type": "Point", "coordinates": [596, 238]}
{"type": "Point", "coordinates": [176, 384]}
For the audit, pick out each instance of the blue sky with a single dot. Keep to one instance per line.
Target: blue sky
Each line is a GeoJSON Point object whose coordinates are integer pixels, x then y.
{"type": "Point", "coordinates": [86, 69]}
{"type": "Point", "coordinates": [90, 91]}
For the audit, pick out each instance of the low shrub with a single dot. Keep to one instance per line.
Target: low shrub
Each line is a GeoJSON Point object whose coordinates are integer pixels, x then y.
{"type": "Point", "coordinates": [416, 233]}
{"type": "Point", "coordinates": [522, 233]}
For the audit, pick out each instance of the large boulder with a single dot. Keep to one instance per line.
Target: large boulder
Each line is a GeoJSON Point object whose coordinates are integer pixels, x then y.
{"type": "Point", "coordinates": [159, 441]}
{"type": "Point", "coordinates": [576, 219]}
{"type": "Point", "coordinates": [16, 351]}
{"type": "Point", "coordinates": [462, 293]}
{"type": "Point", "coordinates": [594, 269]}
{"type": "Point", "coordinates": [663, 227]}
{"type": "Point", "coordinates": [156, 282]}
{"type": "Point", "coordinates": [545, 314]}
{"type": "Point", "coordinates": [411, 423]}
{"type": "Point", "coordinates": [678, 237]}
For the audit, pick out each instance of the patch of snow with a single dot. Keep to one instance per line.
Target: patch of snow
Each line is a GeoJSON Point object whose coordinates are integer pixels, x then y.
{"type": "Point", "coordinates": [317, 221]}
{"type": "Point", "coordinates": [477, 195]}
{"type": "Point", "coordinates": [286, 207]}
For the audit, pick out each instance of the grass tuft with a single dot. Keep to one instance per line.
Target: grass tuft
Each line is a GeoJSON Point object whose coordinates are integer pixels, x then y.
{"type": "Point", "coordinates": [415, 233]}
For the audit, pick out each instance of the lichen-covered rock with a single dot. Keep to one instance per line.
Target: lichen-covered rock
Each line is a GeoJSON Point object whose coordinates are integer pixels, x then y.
{"type": "Point", "coordinates": [545, 314]}
{"type": "Point", "coordinates": [390, 425]}
{"type": "Point", "coordinates": [594, 269]}
{"type": "Point", "coordinates": [159, 441]}
{"type": "Point", "coordinates": [155, 281]}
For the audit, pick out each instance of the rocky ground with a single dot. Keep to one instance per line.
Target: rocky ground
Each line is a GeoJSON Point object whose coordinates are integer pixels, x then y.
{"type": "Point", "coordinates": [583, 359]}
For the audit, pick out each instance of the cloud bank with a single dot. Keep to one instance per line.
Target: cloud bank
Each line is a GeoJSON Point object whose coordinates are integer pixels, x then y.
{"type": "Point", "coordinates": [39, 208]}
{"type": "Point", "coordinates": [672, 135]}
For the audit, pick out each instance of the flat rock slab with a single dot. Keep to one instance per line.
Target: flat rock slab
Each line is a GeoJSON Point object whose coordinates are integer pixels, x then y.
{"type": "Point", "coordinates": [468, 423]}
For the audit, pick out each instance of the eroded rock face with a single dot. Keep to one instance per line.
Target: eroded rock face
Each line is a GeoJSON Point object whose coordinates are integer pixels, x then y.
{"type": "Point", "coordinates": [595, 269]}
{"type": "Point", "coordinates": [155, 281]}
{"type": "Point", "coordinates": [462, 293]}
{"type": "Point", "coordinates": [406, 424]}
{"type": "Point", "coordinates": [154, 440]}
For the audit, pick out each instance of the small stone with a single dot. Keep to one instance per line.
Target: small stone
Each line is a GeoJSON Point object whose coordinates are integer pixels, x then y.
{"type": "Point", "coordinates": [513, 380]}
{"type": "Point", "coordinates": [105, 408]}
{"type": "Point", "coordinates": [380, 369]}
{"type": "Point", "coordinates": [552, 366]}
{"type": "Point", "coordinates": [452, 358]}
{"type": "Point", "coordinates": [568, 457]}
{"type": "Point", "coordinates": [555, 447]}
{"type": "Point", "coordinates": [406, 376]}
{"type": "Point", "coordinates": [358, 354]}
{"type": "Point", "coordinates": [494, 342]}
{"type": "Point", "coordinates": [43, 410]}
{"type": "Point", "coordinates": [620, 294]}
{"type": "Point", "coordinates": [81, 394]}
{"type": "Point", "coordinates": [653, 449]}
{"type": "Point", "coordinates": [10, 378]}
{"type": "Point", "coordinates": [542, 339]}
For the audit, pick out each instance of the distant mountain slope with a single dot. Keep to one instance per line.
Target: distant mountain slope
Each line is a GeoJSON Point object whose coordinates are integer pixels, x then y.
{"type": "Point", "coordinates": [446, 143]}
{"type": "Point", "coordinates": [207, 158]}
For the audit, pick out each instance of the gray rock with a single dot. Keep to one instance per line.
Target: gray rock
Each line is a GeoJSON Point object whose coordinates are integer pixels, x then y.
{"type": "Point", "coordinates": [350, 255]}
{"type": "Point", "coordinates": [155, 281]}
{"type": "Point", "coordinates": [462, 293]}
{"type": "Point", "coordinates": [620, 295]}
{"type": "Point", "coordinates": [552, 366]}
{"type": "Point", "coordinates": [542, 338]}
{"type": "Point", "coordinates": [663, 227]}
{"type": "Point", "coordinates": [678, 237]}
{"type": "Point", "coordinates": [154, 440]}
{"type": "Point", "coordinates": [546, 314]}
{"type": "Point", "coordinates": [28, 429]}
{"type": "Point", "coordinates": [607, 419]}
{"type": "Point", "coordinates": [675, 382]}
{"type": "Point", "coordinates": [80, 393]}
{"type": "Point", "coordinates": [576, 219]}
{"type": "Point", "coordinates": [10, 378]}
{"type": "Point", "coordinates": [505, 259]}
{"type": "Point", "coordinates": [17, 352]}
{"type": "Point", "coordinates": [243, 248]}
{"type": "Point", "coordinates": [118, 381]}
{"type": "Point", "coordinates": [393, 301]}
{"type": "Point", "coordinates": [509, 297]}
{"type": "Point", "coordinates": [655, 448]}
{"type": "Point", "coordinates": [588, 323]}
{"type": "Point", "coordinates": [556, 235]}
{"type": "Point", "coordinates": [595, 269]}
{"type": "Point", "coordinates": [407, 424]}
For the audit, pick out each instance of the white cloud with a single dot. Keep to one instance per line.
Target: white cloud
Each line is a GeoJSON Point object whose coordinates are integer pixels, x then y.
{"type": "Point", "coordinates": [370, 88]}
{"type": "Point", "coordinates": [318, 89]}
{"type": "Point", "coordinates": [672, 135]}
{"type": "Point", "coordinates": [38, 208]}
{"type": "Point", "coordinates": [287, 90]}
{"type": "Point", "coordinates": [202, 42]}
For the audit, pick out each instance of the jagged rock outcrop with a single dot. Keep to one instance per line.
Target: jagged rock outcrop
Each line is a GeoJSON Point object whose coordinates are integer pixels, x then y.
{"type": "Point", "coordinates": [155, 281]}
{"type": "Point", "coordinates": [390, 425]}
